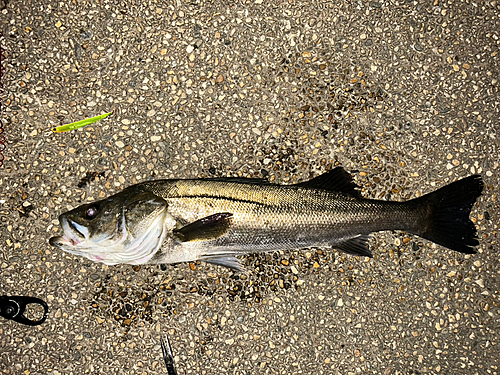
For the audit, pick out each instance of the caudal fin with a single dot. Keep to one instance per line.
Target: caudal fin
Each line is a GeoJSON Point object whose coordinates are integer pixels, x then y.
{"type": "Point", "coordinates": [448, 211]}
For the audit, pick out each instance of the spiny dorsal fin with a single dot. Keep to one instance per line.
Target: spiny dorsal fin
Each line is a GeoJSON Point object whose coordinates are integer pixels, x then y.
{"type": "Point", "coordinates": [207, 228]}
{"type": "Point", "coordinates": [335, 180]}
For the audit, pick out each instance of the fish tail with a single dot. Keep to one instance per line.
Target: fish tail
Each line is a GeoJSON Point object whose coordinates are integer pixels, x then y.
{"type": "Point", "coordinates": [447, 213]}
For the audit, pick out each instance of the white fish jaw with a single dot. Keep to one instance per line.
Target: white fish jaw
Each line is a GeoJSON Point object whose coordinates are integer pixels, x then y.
{"type": "Point", "coordinates": [74, 234]}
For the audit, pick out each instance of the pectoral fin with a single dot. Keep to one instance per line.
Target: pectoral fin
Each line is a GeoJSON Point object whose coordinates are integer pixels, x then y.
{"type": "Point", "coordinates": [207, 228]}
{"type": "Point", "coordinates": [356, 246]}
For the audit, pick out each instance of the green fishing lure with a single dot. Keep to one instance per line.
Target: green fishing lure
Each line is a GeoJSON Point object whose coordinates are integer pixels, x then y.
{"type": "Point", "coordinates": [79, 124]}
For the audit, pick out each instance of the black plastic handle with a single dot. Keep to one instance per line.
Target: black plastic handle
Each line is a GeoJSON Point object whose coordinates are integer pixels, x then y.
{"type": "Point", "coordinates": [13, 308]}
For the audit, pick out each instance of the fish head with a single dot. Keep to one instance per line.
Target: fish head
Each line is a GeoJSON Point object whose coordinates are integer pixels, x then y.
{"type": "Point", "coordinates": [127, 227]}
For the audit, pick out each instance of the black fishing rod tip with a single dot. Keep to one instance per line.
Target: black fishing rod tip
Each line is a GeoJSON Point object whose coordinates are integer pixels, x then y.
{"type": "Point", "coordinates": [168, 357]}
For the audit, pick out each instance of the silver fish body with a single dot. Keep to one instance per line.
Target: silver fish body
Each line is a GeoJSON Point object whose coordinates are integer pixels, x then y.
{"type": "Point", "coordinates": [215, 220]}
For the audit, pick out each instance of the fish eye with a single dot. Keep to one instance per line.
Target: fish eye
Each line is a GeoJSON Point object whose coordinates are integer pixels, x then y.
{"type": "Point", "coordinates": [91, 212]}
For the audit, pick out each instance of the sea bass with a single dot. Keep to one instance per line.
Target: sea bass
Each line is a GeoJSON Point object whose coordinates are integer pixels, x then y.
{"type": "Point", "coordinates": [217, 219]}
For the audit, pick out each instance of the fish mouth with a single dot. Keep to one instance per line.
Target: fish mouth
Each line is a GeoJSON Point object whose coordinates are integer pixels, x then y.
{"type": "Point", "coordinates": [73, 234]}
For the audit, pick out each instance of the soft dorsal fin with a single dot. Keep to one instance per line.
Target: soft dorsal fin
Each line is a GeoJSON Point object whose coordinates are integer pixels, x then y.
{"type": "Point", "coordinates": [335, 180]}
{"type": "Point", "coordinates": [240, 180]}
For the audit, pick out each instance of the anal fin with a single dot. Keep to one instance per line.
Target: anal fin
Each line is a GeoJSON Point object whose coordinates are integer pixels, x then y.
{"type": "Point", "coordinates": [356, 246]}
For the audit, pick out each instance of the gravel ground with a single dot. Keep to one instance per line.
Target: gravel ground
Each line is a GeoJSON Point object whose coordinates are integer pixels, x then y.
{"type": "Point", "coordinates": [402, 94]}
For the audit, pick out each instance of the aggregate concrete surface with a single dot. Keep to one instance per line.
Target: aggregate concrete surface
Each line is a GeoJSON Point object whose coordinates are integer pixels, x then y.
{"type": "Point", "coordinates": [403, 94]}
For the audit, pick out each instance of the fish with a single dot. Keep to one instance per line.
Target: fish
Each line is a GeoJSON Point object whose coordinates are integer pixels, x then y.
{"type": "Point", "coordinates": [216, 220]}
